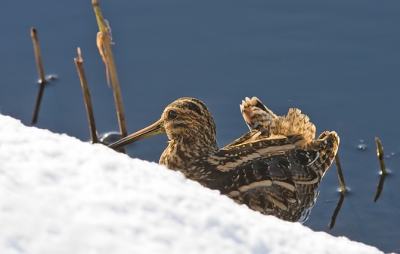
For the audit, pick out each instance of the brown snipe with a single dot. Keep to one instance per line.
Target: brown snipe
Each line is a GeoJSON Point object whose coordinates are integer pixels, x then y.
{"type": "Point", "coordinates": [274, 169]}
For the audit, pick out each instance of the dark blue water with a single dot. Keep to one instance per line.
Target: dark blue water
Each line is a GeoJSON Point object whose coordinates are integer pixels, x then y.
{"type": "Point", "coordinates": [338, 61]}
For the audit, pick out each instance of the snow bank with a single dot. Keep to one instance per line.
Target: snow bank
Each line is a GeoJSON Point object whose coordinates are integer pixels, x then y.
{"type": "Point", "coordinates": [60, 195]}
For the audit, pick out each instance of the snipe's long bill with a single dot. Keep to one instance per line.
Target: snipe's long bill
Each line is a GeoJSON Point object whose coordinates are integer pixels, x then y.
{"type": "Point", "coordinates": [149, 131]}
{"type": "Point", "coordinates": [275, 168]}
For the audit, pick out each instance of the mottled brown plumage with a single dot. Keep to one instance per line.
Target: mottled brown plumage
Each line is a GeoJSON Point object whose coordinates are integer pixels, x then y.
{"type": "Point", "coordinates": [259, 117]}
{"type": "Point", "coordinates": [271, 172]}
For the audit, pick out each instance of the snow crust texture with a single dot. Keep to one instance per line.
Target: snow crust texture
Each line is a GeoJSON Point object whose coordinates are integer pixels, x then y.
{"type": "Point", "coordinates": [60, 195]}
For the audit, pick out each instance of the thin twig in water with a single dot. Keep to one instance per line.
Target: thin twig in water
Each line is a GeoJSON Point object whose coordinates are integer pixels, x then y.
{"type": "Point", "coordinates": [343, 188]}
{"type": "Point", "coordinates": [42, 79]}
{"type": "Point", "coordinates": [379, 187]}
{"type": "Point", "coordinates": [86, 95]}
{"type": "Point", "coordinates": [336, 212]}
{"type": "Point", "coordinates": [379, 153]}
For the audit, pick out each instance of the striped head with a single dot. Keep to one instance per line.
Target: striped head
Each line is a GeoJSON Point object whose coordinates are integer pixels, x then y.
{"type": "Point", "coordinates": [186, 120]}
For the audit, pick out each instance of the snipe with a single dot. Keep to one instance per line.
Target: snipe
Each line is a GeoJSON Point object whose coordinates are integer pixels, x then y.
{"type": "Point", "coordinates": [274, 169]}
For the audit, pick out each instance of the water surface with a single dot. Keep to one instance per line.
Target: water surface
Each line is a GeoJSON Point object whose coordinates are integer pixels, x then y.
{"type": "Point", "coordinates": [337, 61]}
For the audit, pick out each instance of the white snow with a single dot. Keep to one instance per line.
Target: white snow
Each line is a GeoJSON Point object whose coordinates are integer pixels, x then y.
{"type": "Point", "coordinates": [60, 195]}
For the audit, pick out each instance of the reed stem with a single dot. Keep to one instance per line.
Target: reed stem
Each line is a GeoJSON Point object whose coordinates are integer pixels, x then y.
{"type": "Point", "coordinates": [86, 94]}
{"type": "Point", "coordinates": [110, 65]}
{"type": "Point", "coordinates": [379, 153]}
{"type": "Point", "coordinates": [343, 188]}
{"type": "Point", "coordinates": [42, 79]}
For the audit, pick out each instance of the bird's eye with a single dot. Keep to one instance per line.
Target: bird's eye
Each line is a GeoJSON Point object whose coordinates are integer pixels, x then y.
{"type": "Point", "coordinates": [172, 114]}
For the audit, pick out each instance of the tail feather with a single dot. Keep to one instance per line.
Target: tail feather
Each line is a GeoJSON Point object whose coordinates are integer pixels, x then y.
{"type": "Point", "coordinates": [259, 117]}
{"type": "Point", "coordinates": [328, 155]}
{"type": "Point", "coordinates": [294, 123]}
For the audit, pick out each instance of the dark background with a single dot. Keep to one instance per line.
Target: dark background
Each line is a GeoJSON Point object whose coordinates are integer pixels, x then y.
{"type": "Point", "coordinates": [338, 61]}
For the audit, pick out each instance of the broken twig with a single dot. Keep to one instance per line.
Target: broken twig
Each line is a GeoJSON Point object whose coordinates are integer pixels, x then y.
{"type": "Point", "coordinates": [86, 95]}
{"type": "Point", "coordinates": [343, 188]}
{"type": "Point", "coordinates": [42, 79]}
